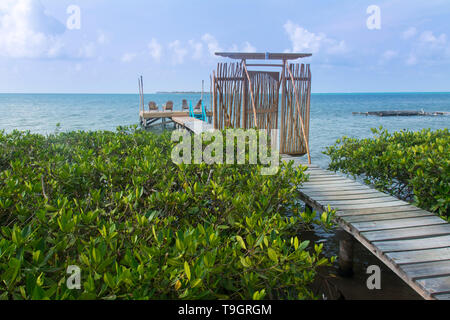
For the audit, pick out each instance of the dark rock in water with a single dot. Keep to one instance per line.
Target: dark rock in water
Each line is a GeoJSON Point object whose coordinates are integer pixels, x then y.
{"type": "Point", "coordinates": [401, 113]}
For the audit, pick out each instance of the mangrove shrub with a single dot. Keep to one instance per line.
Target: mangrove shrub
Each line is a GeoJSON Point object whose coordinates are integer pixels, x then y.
{"type": "Point", "coordinates": [138, 226]}
{"type": "Point", "coordinates": [411, 165]}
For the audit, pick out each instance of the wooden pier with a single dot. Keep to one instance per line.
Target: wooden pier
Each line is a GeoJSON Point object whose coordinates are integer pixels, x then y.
{"type": "Point", "coordinates": [194, 119]}
{"type": "Point", "coordinates": [150, 119]}
{"type": "Point", "coordinates": [194, 125]}
{"type": "Point", "coordinates": [412, 242]}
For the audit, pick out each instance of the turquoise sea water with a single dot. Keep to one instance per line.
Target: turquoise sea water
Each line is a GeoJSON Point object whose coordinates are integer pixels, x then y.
{"type": "Point", "coordinates": [331, 114]}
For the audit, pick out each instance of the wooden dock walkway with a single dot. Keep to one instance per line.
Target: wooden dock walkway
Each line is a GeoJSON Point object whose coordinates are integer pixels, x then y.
{"type": "Point", "coordinates": [182, 119]}
{"type": "Point", "coordinates": [168, 114]}
{"type": "Point", "coordinates": [194, 125]}
{"type": "Point", "coordinates": [412, 242]}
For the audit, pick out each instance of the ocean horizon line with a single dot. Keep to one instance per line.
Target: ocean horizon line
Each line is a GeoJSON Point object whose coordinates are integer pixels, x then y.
{"type": "Point", "coordinates": [207, 92]}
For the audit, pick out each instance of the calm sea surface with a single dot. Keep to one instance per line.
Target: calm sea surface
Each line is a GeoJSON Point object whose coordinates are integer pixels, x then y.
{"type": "Point", "coordinates": [331, 114]}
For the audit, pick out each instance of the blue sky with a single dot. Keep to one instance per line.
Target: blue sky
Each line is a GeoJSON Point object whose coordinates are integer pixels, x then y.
{"type": "Point", "coordinates": [171, 43]}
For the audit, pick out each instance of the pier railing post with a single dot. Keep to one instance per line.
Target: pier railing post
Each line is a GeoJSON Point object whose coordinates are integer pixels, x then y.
{"type": "Point", "coordinates": [345, 259]}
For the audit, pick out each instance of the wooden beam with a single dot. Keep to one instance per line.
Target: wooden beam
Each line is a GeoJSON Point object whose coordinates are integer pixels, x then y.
{"type": "Point", "coordinates": [263, 55]}
{"type": "Point", "coordinates": [263, 65]}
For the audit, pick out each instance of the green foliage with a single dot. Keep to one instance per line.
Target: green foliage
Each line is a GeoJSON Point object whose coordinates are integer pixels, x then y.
{"type": "Point", "coordinates": [414, 166]}
{"type": "Point", "coordinates": [141, 227]}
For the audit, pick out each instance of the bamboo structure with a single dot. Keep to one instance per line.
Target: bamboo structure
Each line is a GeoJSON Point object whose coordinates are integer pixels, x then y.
{"type": "Point", "coordinates": [228, 96]}
{"type": "Point", "coordinates": [243, 98]}
{"type": "Point", "coordinates": [298, 91]}
{"type": "Point", "coordinates": [251, 94]}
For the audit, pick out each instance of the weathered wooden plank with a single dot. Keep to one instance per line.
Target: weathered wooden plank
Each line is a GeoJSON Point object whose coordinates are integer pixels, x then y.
{"type": "Point", "coordinates": [325, 188]}
{"type": "Point", "coordinates": [394, 203]}
{"type": "Point", "coordinates": [337, 202]}
{"type": "Point", "coordinates": [397, 223]}
{"type": "Point", "coordinates": [351, 212]}
{"type": "Point", "coordinates": [345, 193]}
{"type": "Point", "coordinates": [299, 160]}
{"type": "Point", "coordinates": [413, 244]}
{"type": "Point", "coordinates": [314, 169]}
{"type": "Point", "coordinates": [326, 178]}
{"type": "Point", "coordinates": [387, 216]}
{"type": "Point", "coordinates": [341, 196]}
{"type": "Point", "coordinates": [315, 173]}
{"type": "Point", "coordinates": [320, 173]}
{"type": "Point", "coordinates": [407, 233]}
{"type": "Point", "coordinates": [338, 182]}
{"type": "Point", "coordinates": [427, 269]}
{"type": "Point", "coordinates": [335, 184]}
{"type": "Point", "coordinates": [420, 256]}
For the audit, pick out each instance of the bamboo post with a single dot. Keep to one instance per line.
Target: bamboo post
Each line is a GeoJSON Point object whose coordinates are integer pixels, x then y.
{"type": "Point", "coordinates": [214, 102]}
{"type": "Point", "coordinates": [211, 98]}
{"type": "Point", "coordinates": [140, 95]}
{"type": "Point", "coordinates": [143, 95]}
{"type": "Point", "coordinates": [141, 102]}
{"type": "Point", "coordinates": [283, 106]}
{"type": "Point", "coordinates": [251, 94]}
{"type": "Point", "coordinates": [299, 112]}
{"type": "Point", "coordinates": [245, 101]}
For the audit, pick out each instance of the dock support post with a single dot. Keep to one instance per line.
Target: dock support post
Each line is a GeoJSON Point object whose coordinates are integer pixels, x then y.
{"type": "Point", "coordinates": [345, 253]}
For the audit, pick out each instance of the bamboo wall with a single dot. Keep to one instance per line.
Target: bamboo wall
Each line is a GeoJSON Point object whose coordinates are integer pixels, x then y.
{"type": "Point", "coordinates": [239, 97]}
{"type": "Point", "coordinates": [291, 140]}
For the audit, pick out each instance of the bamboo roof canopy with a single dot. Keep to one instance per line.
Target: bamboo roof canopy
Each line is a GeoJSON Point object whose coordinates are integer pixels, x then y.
{"type": "Point", "coordinates": [263, 55]}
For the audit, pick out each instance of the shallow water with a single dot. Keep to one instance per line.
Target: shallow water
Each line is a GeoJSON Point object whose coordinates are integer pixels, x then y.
{"type": "Point", "coordinates": [331, 114]}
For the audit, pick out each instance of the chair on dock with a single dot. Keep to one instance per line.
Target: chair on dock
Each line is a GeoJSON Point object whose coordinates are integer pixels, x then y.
{"type": "Point", "coordinates": [198, 107]}
{"type": "Point", "coordinates": [168, 106]}
{"type": "Point", "coordinates": [152, 106]}
{"type": "Point", "coordinates": [194, 112]}
{"type": "Point", "coordinates": [185, 105]}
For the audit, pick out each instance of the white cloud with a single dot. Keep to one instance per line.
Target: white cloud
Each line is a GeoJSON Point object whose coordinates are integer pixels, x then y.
{"type": "Point", "coordinates": [78, 67]}
{"type": "Point", "coordinates": [197, 49]}
{"type": "Point", "coordinates": [248, 47]}
{"type": "Point", "coordinates": [87, 51]}
{"type": "Point", "coordinates": [128, 57]}
{"type": "Point", "coordinates": [429, 49]}
{"type": "Point", "coordinates": [234, 48]}
{"type": "Point", "coordinates": [26, 31]}
{"type": "Point", "coordinates": [102, 38]}
{"type": "Point", "coordinates": [428, 38]}
{"type": "Point", "coordinates": [212, 44]}
{"type": "Point", "coordinates": [412, 60]}
{"type": "Point", "coordinates": [305, 41]}
{"type": "Point", "coordinates": [155, 49]}
{"type": "Point", "coordinates": [178, 52]}
{"type": "Point", "coordinates": [409, 33]}
{"type": "Point", "coordinates": [389, 55]}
